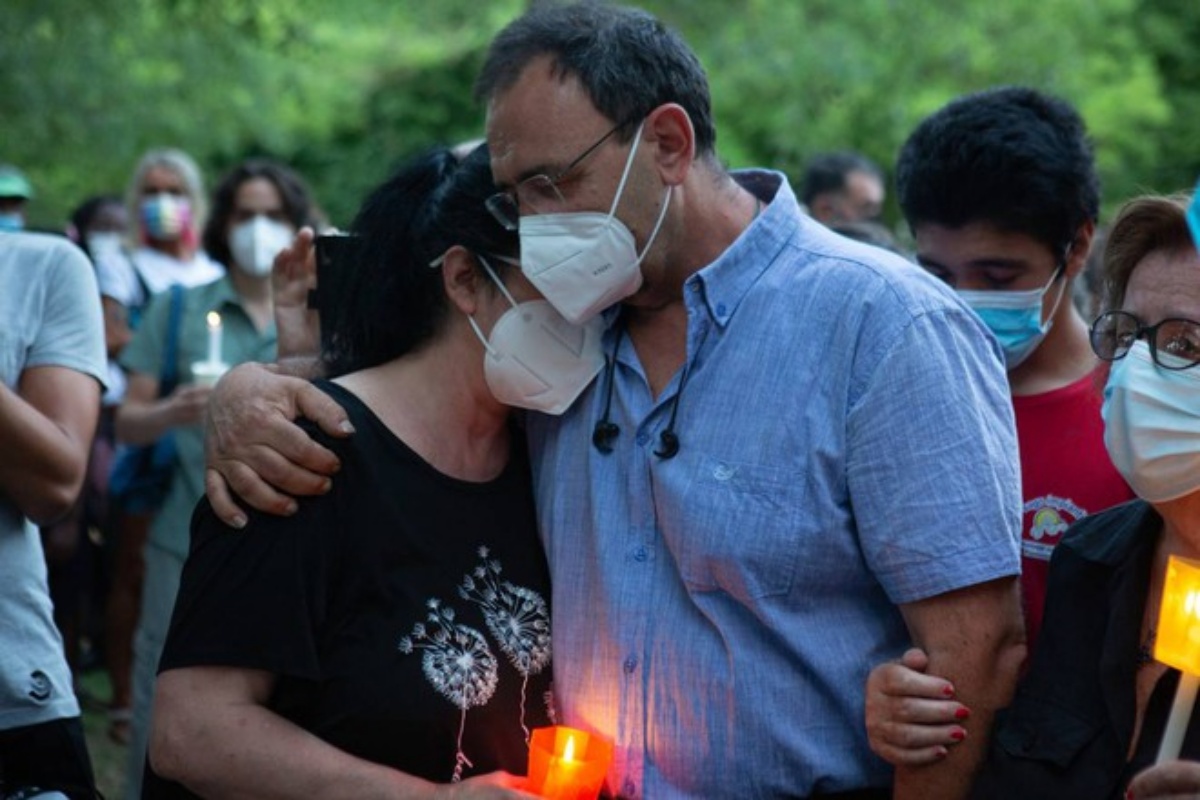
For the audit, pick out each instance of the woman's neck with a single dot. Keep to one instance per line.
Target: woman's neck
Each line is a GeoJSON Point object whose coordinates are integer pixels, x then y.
{"type": "Point", "coordinates": [255, 294]}
{"type": "Point", "coordinates": [437, 402]}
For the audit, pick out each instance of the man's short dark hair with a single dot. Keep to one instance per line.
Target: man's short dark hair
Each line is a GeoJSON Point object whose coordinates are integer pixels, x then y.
{"type": "Point", "coordinates": [628, 62]}
{"type": "Point", "coordinates": [1012, 157]}
{"type": "Point", "coordinates": [827, 172]}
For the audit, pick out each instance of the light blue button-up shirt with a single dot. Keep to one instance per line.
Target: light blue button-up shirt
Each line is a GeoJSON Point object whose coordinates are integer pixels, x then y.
{"type": "Point", "coordinates": [847, 445]}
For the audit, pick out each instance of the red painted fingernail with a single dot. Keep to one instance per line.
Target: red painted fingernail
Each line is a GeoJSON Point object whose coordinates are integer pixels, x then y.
{"type": "Point", "coordinates": [942, 752]}
{"type": "Point", "coordinates": [1129, 794]}
{"type": "Point", "coordinates": [958, 734]}
{"type": "Point", "coordinates": [962, 713]}
{"type": "Point", "coordinates": [948, 690]}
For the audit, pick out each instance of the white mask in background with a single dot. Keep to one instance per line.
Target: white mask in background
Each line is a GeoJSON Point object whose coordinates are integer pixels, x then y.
{"type": "Point", "coordinates": [585, 261]}
{"type": "Point", "coordinates": [535, 358]}
{"type": "Point", "coordinates": [1152, 425]}
{"type": "Point", "coordinates": [255, 243]}
{"type": "Point", "coordinates": [103, 244]}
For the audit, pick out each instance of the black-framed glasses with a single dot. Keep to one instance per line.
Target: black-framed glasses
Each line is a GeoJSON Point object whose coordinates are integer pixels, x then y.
{"type": "Point", "coordinates": [1174, 343]}
{"type": "Point", "coordinates": [539, 194]}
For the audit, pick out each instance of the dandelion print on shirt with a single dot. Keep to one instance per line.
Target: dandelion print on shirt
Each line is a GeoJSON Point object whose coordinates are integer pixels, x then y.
{"type": "Point", "coordinates": [517, 617]}
{"type": "Point", "coordinates": [457, 660]}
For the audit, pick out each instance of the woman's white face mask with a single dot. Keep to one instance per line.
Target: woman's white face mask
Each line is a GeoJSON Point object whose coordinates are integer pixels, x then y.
{"type": "Point", "coordinates": [1152, 425]}
{"type": "Point", "coordinates": [255, 243]}
{"type": "Point", "coordinates": [535, 358]}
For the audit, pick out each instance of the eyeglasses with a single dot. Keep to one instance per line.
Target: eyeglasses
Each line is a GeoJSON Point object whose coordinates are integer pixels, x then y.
{"type": "Point", "coordinates": [1174, 343]}
{"type": "Point", "coordinates": [538, 194]}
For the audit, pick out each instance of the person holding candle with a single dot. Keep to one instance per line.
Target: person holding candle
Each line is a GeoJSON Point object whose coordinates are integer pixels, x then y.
{"type": "Point", "coordinates": [257, 209]}
{"type": "Point", "coordinates": [1091, 710]}
{"type": "Point", "coordinates": [712, 555]}
{"type": "Point", "coordinates": [393, 634]}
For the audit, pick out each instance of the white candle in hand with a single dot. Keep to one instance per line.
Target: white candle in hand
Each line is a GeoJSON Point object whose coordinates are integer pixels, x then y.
{"type": "Point", "coordinates": [214, 338]}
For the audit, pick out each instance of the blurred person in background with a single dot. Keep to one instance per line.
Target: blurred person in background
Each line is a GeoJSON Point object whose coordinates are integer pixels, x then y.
{"type": "Point", "coordinates": [75, 560]}
{"type": "Point", "coordinates": [167, 204]}
{"type": "Point", "coordinates": [843, 187]}
{"type": "Point", "coordinates": [257, 209]}
{"type": "Point", "coordinates": [15, 194]}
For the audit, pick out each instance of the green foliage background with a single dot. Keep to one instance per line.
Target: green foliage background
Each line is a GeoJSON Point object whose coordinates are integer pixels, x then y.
{"type": "Point", "coordinates": [344, 90]}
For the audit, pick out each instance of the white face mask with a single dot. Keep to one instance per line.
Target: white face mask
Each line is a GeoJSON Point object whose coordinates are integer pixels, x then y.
{"type": "Point", "coordinates": [535, 358]}
{"type": "Point", "coordinates": [1152, 425]}
{"type": "Point", "coordinates": [585, 261]}
{"type": "Point", "coordinates": [255, 243]}
{"type": "Point", "coordinates": [103, 244]}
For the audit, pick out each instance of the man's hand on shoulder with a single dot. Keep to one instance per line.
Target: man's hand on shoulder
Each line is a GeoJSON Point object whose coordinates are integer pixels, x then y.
{"type": "Point", "coordinates": [254, 449]}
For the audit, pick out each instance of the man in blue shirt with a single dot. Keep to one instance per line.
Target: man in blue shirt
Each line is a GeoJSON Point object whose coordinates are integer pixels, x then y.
{"type": "Point", "coordinates": [800, 458]}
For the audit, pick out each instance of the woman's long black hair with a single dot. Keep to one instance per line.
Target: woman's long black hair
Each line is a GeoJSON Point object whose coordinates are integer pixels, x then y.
{"type": "Point", "coordinates": [395, 300]}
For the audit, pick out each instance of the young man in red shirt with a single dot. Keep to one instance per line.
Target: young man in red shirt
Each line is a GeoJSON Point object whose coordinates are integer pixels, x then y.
{"type": "Point", "coordinates": [1001, 193]}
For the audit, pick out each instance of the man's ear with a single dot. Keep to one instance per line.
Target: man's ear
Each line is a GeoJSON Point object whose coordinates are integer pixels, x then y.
{"type": "Point", "coordinates": [1081, 245]}
{"type": "Point", "coordinates": [461, 278]}
{"type": "Point", "coordinates": [671, 129]}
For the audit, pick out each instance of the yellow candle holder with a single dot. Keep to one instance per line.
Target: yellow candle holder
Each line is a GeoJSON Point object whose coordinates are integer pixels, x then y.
{"type": "Point", "coordinates": [1177, 644]}
{"type": "Point", "coordinates": [1177, 637]}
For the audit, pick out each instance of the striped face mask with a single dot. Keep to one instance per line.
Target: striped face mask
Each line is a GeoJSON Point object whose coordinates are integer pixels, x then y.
{"type": "Point", "coordinates": [166, 217]}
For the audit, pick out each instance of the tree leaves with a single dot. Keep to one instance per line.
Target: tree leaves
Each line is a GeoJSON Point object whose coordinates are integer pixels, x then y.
{"type": "Point", "coordinates": [343, 91]}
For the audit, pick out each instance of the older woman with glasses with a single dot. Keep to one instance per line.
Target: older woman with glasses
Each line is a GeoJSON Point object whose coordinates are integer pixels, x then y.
{"type": "Point", "coordinates": [1089, 714]}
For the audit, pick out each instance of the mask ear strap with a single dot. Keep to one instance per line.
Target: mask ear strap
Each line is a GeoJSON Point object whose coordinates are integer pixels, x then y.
{"type": "Point", "coordinates": [496, 280]}
{"type": "Point", "coordinates": [637, 139]}
{"type": "Point", "coordinates": [662, 214]}
{"type": "Point", "coordinates": [479, 334]}
{"type": "Point", "coordinates": [1062, 290]}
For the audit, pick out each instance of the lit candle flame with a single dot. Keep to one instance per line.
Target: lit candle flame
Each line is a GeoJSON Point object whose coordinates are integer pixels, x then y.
{"type": "Point", "coordinates": [214, 320]}
{"type": "Point", "coordinates": [569, 749]}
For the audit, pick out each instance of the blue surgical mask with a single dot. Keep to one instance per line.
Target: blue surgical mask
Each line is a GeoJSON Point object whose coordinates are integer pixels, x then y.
{"type": "Point", "coordinates": [12, 221]}
{"type": "Point", "coordinates": [1015, 318]}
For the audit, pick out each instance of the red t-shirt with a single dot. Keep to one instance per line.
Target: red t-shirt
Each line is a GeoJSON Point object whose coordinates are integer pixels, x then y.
{"type": "Point", "coordinates": [1065, 474]}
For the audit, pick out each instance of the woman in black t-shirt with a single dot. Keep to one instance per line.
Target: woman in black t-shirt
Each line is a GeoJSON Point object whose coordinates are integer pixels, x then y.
{"type": "Point", "coordinates": [393, 634]}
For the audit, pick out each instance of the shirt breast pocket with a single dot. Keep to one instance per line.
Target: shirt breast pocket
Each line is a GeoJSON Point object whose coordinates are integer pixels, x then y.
{"type": "Point", "coordinates": [740, 531]}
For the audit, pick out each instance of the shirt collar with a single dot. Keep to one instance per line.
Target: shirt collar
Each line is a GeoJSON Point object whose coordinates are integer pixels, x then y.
{"type": "Point", "coordinates": [722, 284]}
{"type": "Point", "coordinates": [224, 294]}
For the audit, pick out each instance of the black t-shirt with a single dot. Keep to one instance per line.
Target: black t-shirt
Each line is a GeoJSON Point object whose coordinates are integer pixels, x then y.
{"type": "Point", "coordinates": [395, 610]}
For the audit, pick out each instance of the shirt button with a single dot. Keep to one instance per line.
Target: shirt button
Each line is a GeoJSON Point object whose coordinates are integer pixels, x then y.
{"type": "Point", "coordinates": [628, 789]}
{"type": "Point", "coordinates": [720, 309]}
{"type": "Point", "coordinates": [640, 554]}
{"type": "Point", "coordinates": [630, 665]}
{"type": "Point", "coordinates": [642, 438]}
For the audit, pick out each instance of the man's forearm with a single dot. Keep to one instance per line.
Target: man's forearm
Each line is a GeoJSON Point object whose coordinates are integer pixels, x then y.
{"type": "Point", "coordinates": [951, 778]}
{"type": "Point", "coordinates": [975, 638]}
